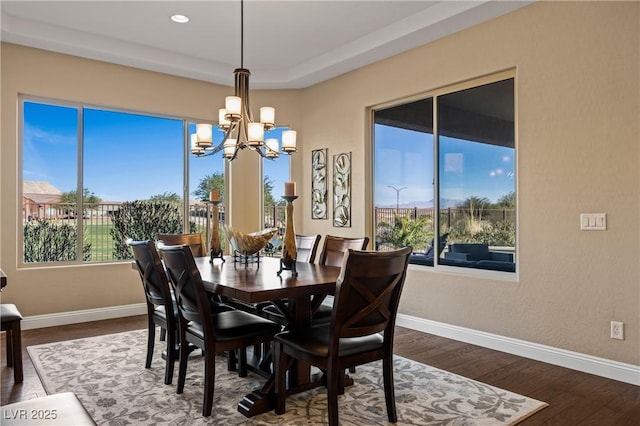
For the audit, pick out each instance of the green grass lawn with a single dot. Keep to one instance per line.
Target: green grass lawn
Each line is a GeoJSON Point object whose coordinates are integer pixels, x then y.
{"type": "Point", "coordinates": [101, 241]}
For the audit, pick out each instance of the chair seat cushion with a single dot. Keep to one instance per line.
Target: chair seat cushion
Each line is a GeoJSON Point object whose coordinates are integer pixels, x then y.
{"type": "Point", "coordinates": [9, 312]}
{"type": "Point", "coordinates": [323, 314]}
{"type": "Point", "coordinates": [57, 409]}
{"type": "Point", "coordinates": [315, 341]}
{"type": "Point", "coordinates": [236, 324]}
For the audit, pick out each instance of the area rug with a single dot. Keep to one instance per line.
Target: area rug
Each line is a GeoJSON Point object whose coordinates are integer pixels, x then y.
{"type": "Point", "coordinates": [107, 373]}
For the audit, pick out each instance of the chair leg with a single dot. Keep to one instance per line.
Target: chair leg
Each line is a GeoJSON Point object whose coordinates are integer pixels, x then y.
{"type": "Point", "coordinates": [232, 360]}
{"type": "Point", "coordinates": [9, 340]}
{"type": "Point", "coordinates": [171, 358]}
{"type": "Point", "coordinates": [182, 367]}
{"type": "Point", "coordinates": [280, 373]}
{"type": "Point", "coordinates": [389, 392]}
{"type": "Point", "coordinates": [242, 362]}
{"type": "Point", "coordinates": [14, 350]}
{"type": "Point", "coordinates": [333, 389]}
{"type": "Point", "coordinates": [151, 336]}
{"type": "Point", "coordinates": [209, 382]}
{"type": "Point", "coordinates": [163, 334]}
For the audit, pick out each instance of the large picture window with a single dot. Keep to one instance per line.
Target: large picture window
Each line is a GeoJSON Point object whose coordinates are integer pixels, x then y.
{"type": "Point", "coordinates": [93, 177]}
{"type": "Point", "coordinates": [449, 189]}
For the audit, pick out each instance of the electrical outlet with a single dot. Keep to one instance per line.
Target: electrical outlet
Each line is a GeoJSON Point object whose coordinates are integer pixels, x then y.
{"type": "Point", "coordinates": [617, 330]}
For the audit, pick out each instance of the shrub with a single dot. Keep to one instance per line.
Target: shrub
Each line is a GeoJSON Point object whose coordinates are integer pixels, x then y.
{"type": "Point", "coordinates": [142, 220]}
{"type": "Point", "coordinates": [406, 232]}
{"type": "Point", "coordinates": [46, 241]}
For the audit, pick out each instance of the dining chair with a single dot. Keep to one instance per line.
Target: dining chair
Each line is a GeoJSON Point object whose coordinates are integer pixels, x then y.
{"type": "Point", "coordinates": [161, 307]}
{"type": "Point", "coordinates": [361, 329]}
{"type": "Point", "coordinates": [332, 254]}
{"type": "Point", "coordinates": [196, 244]}
{"type": "Point", "coordinates": [334, 248]}
{"type": "Point", "coordinates": [10, 319]}
{"type": "Point", "coordinates": [199, 326]}
{"type": "Point", "coordinates": [306, 247]}
{"type": "Point", "coordinates": [194, 241]}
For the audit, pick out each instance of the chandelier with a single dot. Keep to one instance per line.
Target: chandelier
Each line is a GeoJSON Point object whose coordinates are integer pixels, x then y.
{"type": "Point", "coordinates": [236, 121]}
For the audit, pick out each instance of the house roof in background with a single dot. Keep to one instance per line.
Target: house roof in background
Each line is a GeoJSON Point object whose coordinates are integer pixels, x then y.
{"type": "Point", "coordinates": [41, 188]}
{"type": "Point", "coordinates": [287, 44]}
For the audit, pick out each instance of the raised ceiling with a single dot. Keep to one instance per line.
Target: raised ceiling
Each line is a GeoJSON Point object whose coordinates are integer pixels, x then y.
{"type": "Point", "coordinates": [287, 44]}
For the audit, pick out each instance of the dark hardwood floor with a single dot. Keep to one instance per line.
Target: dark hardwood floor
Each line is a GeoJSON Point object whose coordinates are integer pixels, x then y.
{"type": "Point", "coordinates": [574, 398]}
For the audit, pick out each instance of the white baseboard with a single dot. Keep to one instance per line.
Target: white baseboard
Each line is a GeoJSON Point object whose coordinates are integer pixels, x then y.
{"type": "Point", "coordinates": [74, 317]}
{"type": "Point", "coordinates": [615, 370]}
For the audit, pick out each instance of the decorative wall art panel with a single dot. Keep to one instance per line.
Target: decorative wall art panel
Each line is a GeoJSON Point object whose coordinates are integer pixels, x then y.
{"type": "Point", "coordinates": [319, 184]}
{"type": "Point", "coordinates": [342, 190]}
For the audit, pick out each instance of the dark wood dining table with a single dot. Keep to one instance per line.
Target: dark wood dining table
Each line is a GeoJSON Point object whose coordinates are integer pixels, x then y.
{"type": "Point", "coordinates": [260, 282]}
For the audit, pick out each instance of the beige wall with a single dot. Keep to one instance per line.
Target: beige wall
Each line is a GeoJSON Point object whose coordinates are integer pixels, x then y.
{"type": "Point", "coordinates": [577, 68]}
{"type": "Point", "coordinates": [578, 148]}
{"type": "Point", "coordinates": [35, 72]}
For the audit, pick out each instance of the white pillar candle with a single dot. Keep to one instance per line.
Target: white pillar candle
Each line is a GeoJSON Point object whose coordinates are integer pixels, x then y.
{"type": "Point", "coordinates": [289, 189]}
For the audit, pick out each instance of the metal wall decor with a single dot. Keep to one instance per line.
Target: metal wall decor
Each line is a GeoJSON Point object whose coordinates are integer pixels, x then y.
{"type": "Point", "coordinates": [319, 184]}
{"type": "Point", "coordinates": [342, 190]}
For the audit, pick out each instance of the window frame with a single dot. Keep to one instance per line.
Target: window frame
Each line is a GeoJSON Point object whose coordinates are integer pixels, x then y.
{"type": "Point", "coordinates": [80, 107]}
{"type": "Point", "coordinates": [435, 94]}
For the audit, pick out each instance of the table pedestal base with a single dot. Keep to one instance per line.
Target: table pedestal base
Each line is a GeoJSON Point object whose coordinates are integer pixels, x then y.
{"type": "Point", "coordinates": [264, 400]}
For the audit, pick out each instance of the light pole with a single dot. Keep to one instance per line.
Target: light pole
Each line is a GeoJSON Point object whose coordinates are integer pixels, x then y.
{"type": "Point", "coordinates": [397, 195]}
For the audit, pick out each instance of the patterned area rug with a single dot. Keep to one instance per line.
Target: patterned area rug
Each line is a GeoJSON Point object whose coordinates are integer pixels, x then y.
{"type": "Point", "coordinates": [108, 375]}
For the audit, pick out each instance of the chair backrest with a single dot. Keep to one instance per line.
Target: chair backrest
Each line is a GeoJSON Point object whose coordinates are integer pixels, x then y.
{"type": "Point", "coordinates": [306, 247]}
{"type": "Point", "coordinates": [152, 274]}
{"type": "Point", "coordinates": [191, 297]}
{"type": "Point", "coordinates": [194, 241]}
{"type": "Point", "coordinates": [335, 247]}
{"type": "Point", "coordinates": [368, 293]}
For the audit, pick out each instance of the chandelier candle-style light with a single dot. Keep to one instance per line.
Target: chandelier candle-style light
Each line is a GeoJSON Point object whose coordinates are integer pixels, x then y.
{"type": "Point", "coordinates": [236, 121]}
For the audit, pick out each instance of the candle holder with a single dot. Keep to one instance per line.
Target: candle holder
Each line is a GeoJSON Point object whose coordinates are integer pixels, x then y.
{"type": "Point", "coordinates": [289, 253]}
{"type": "Point", "coordinates": [214, 240]}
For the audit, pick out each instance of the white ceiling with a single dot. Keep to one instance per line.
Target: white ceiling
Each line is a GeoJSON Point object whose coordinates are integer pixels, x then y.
{"type": "Point", "coordinates": [287, 44]}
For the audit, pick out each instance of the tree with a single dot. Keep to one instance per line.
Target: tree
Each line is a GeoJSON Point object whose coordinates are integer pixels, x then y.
{"type": "Point", "coordinates": [507, 200]}
{"type": "Point", "coordinates": [268, 193]}
{"type": "Point", "coordinates": [89, 200]}
{"type": "Point", "coordinates": [209, 183]}
{"type": "Point", "coordinates": [216, 181]}
{"type": "Point", "coordinates": [166, 197]}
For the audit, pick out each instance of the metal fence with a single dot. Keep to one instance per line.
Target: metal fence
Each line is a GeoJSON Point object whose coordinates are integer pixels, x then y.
{"type": "Point", "coordinates": [96, 221]}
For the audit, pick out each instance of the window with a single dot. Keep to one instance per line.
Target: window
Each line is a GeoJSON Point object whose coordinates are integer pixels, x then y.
{"type": "Point", "coordinates": [463, 168]}
{"type": "Point", "coordinates": [92, 177]}
{"type": "Point", "coordinates": [275, 173]}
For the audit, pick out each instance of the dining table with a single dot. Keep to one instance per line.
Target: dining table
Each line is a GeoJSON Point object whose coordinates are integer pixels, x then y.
{"type": "Point", "coordinates": [263, 281]}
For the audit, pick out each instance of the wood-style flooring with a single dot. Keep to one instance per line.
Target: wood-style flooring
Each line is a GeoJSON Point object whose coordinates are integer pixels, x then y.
{"type": "Point", "coordinates": [574, 398]}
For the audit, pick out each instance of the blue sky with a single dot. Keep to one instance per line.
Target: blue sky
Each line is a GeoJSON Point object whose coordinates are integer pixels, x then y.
{"type": "Point", "coordinates": [126, 156]}
{"type": "Point", "coordinates": [404, 158]}
{"type": "Point", "coordinates": [132, 156]}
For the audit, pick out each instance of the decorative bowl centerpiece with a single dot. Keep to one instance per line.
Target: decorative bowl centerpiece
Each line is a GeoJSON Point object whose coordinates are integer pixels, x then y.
{"type": "Point", "coordinates": [249, 244]}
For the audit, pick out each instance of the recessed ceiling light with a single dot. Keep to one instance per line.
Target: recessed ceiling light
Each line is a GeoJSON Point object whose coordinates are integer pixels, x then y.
{"type": "Point", "coordinates": [180, 19]}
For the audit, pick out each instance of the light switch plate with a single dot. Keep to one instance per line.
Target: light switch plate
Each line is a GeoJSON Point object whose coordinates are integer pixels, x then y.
{"type": "Point", "coordinates": [593, 221]}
